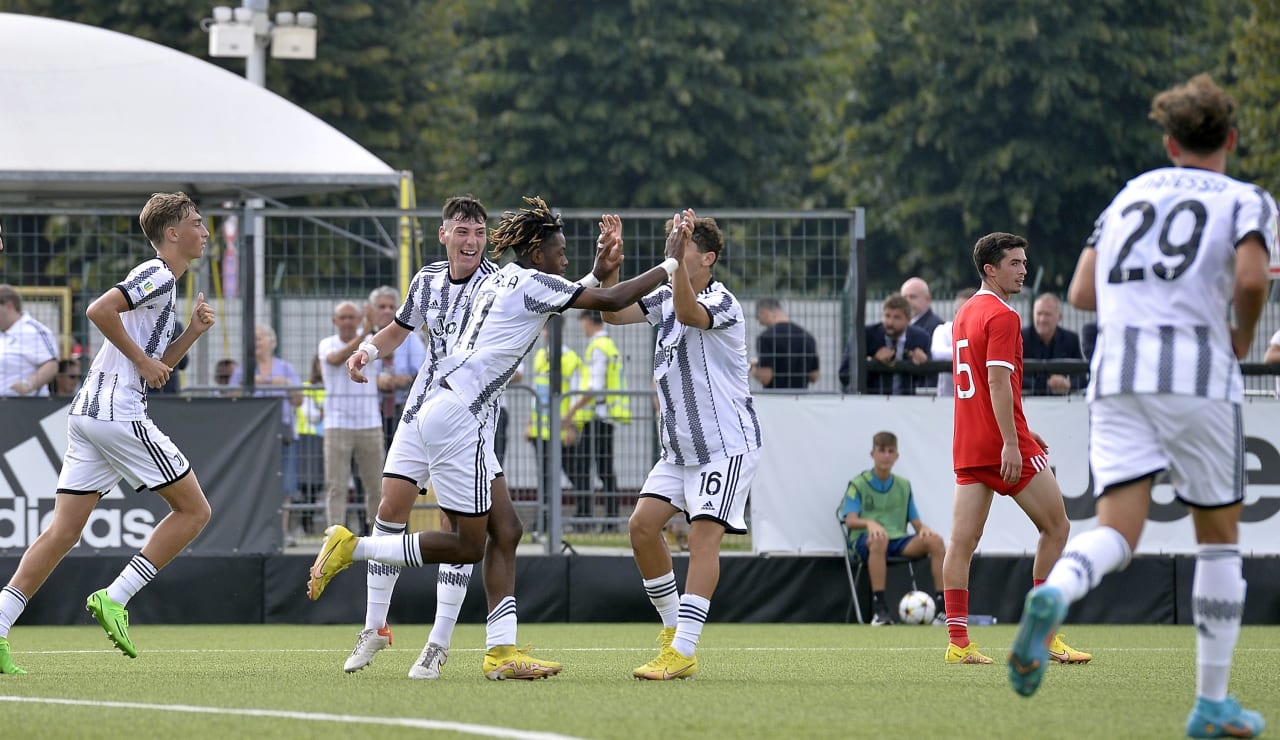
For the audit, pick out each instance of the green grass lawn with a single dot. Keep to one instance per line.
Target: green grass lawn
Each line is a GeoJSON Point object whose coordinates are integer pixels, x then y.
{"type": "Point", "coordinates": [794, 681]}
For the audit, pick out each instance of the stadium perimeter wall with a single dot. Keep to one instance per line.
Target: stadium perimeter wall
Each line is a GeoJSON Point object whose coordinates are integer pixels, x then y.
{"type": "Point", "coordinates": [272, 589]}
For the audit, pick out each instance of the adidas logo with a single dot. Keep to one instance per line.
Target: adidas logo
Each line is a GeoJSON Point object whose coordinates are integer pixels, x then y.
{"type": "Point", "coordinates": [35, 463]}
{"type": "Point", "coordinates": [708, 506]}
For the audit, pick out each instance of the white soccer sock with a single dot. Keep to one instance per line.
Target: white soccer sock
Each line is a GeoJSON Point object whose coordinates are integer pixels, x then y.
{"type": "Point", "coordinates": [693, 614]}
{"type": "Point", "coordinates": [1217, 606]}
{"type": "Point", "coordinates": [402, 551]}
{"type": "Point", "coordinates": [1088, 558]}
{"type": "Point", "coordinates": [381, 579]}
{"type": "Point", "coordinates": [501, 627]}
{"type": "Point", "coordinates": [135, 575]}
{"type": "Point", "coordinates": [665, 597]}
{"type": "Point", "coordinates": [12, 604]}
{"type": "Point", "coordinates": [451, 589]}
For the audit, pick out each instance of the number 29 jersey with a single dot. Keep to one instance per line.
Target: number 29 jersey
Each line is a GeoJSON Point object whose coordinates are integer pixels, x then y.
{"type": "Point", "coordinates": [1164, 278]}
{"type": "Point", "coordinates": [987, 332]}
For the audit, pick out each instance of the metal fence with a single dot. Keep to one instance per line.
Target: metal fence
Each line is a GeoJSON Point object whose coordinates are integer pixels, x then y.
{"type": "Point", "coordinates": [301, 262]}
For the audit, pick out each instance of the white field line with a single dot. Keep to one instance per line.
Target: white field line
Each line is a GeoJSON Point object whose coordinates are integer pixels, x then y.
{"type": "Point", "coordinates": [701, 650]}
{"type": "Point", "coordinates": [421, 724]}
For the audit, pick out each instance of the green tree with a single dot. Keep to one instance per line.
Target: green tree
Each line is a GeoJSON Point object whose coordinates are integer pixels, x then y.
{"type": "Point", "coordinates": [976, 116]}
{"type": "Point", "coordinates": [644, 103]}
{"type": "Point", "coordinates": [1257, 88]}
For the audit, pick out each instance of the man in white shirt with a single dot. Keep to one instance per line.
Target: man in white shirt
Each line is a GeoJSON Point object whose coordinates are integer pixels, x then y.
{"type": "Point", "coordinates": [941, 346]}
{"type": "Point", "coordinates": [28, 353]}
{"type": "Point", "coordinates": [352, 419]}
{"type": "Point", "coordinates": [400, 366]}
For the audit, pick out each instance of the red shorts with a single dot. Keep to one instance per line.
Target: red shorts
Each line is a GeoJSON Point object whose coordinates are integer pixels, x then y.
{"type": "Point", "coordinates": [989, 475]}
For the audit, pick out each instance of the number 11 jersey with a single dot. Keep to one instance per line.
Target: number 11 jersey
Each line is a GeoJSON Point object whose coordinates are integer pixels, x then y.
{"type": "Point", "coordinates": [1164, 277]}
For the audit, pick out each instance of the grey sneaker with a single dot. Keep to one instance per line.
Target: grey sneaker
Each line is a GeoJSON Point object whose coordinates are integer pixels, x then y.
{"type": "Point", "coordinates": [368, 643]}
{"type": "Point", "coordinates": [429, 663]}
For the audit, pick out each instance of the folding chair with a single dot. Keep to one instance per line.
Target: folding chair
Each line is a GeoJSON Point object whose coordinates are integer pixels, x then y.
{"type": "Point", "coordinates": [854, 565]}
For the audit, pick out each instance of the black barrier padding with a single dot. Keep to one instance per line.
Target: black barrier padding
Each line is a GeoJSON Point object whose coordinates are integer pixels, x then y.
{"type": "Point", "coordinates": [190, 590]}
{"type": "Point", "coordinates": [272, 589]}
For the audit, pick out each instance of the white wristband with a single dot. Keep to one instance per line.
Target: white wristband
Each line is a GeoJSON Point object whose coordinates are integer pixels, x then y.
{"type": "Point", "coordinates": [589, 280]}
{"type": "Point", "coordinates": [669, 264]}
{"type": "Point", "coordinates": [369, 348]}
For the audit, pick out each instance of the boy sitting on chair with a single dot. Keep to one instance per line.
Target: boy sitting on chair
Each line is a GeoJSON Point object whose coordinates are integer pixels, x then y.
{"type": "Point", "coordinates": [877, 507]}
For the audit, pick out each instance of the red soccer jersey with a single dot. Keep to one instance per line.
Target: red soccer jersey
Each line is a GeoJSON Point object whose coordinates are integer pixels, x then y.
{"type": "Point", "coordinates": [986, 332]}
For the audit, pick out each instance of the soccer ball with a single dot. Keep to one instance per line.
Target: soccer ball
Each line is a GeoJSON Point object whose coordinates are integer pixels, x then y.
{"type": "Point", "coordinates": [916, 607]}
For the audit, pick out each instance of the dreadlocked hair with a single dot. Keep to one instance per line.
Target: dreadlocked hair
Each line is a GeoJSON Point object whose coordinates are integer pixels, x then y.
{"type": "Point", "coordinates": [525, 231]}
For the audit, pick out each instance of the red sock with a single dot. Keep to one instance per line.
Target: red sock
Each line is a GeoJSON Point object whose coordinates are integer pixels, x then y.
{"type": "Point", "coordinates": [957, 602]}
{"type": "Point", "coordinates": [1037, 581]}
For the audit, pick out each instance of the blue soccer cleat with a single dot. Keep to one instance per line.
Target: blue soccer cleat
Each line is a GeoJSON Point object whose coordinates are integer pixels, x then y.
{"type": "Point", "coordinates": [1045, 609]}
{"type": "Point", "coordinates": [1224, 718]}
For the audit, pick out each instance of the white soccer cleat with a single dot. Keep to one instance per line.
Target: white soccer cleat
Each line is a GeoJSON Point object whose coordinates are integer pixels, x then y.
{"type": "Point", "coordinates": [429, 663]}
{"type": "Point", "coordinates": [368, 643]}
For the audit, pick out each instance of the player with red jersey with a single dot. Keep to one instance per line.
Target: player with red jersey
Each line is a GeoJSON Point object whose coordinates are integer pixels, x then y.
{"type": "Point", "coordinates": [993, 449]}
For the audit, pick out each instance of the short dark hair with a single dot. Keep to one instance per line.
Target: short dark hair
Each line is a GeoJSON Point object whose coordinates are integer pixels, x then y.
{"type": "Point", "coordinates": [884, 439]}
{"type": "Point", "coordinates": [464, 208]}
{"type": "Point", "coordinates": [1197, 114]}
{"type": "Point", "coordinates": [990, 249]}
{"type": "Point", "coordinates": [896, 302]}
{"type": "Point", "coordinates": [593, 316]}
{"type": "Point", "coordinates": [768, 304]}
{"type": "Point", "coordinates": [9, 294]}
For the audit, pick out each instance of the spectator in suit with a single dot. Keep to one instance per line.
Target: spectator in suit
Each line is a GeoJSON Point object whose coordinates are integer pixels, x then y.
{"type": "Point", "coordinates": [1044, 339]}
{"type": "Point", "coordinates": [786, 354]}
{"type": "Point", "coordinates": [916, 291]}
{"type": "Point", "coordinates": [892, 342]}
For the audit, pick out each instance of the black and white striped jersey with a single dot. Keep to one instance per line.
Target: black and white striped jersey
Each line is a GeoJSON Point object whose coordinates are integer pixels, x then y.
{"type": "Point", "coordinates": [437, 304]}
{"type": "Point", "coordinates": [705, 408]}
{"type": "Point", "coordinates": [1164, 279]}
{"type": "Point", "coordinates": [113, 390]}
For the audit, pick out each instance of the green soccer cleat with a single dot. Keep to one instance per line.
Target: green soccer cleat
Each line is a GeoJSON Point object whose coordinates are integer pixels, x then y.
{"type": "Point", "coordinates": [335, 557]}
{"type": "Point", "coordinates": [114, 618]}
{"type": "Point", "coordinates": [7, 667]}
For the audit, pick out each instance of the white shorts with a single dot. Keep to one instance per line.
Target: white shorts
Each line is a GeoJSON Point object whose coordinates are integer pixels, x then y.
{"type": "Point", "coordinates": [1200, 441]}
{"type": "Point", "coordinates": [407, 456]}
{"type": "Point", "coordinates": [716, 491]}
{"type": "Point", "coordinates": [461, 464]}
{"type": "Point", "coordinates": [101, 453]}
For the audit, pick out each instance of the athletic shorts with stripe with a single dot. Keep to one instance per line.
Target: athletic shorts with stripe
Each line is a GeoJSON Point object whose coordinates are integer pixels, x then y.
{"type": "Point", "coordinates": [462, 464]}
{"type": "Point", "coordinates": [407, 456]}
{"type": "Point", "coordinates": [102, 453]}
{"type": "Point", "coordinates": [989, 475]}
{"type": "Point", "coordinates": [716, 491]}
{"type": "Point", "coordinates": [1200, 441]}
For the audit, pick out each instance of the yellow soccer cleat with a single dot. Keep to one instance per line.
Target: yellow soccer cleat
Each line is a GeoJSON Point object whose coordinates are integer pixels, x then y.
{"type": "Point", "coordinates": [334, 557]}
{"type": "Point", "coordinates": [1060, 652]}
{"type": "Point", "coordinates": [670, 665]}
{"type": "Point", "coordinates": [7, 666]}
{"type": "Point", "coordinates": [666, 636]}
{"type": "Point", "coordinates": [967, 654]}
{"type": "Point", "coordinates": [506, 662]}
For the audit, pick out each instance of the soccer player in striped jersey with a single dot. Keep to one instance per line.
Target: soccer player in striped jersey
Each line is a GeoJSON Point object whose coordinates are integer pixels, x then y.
{"type": "Point", "coordinates": [710, 441]}
{"type": "Point", "coordinates": [1175, 253]}
{"type": "Point", "coordinates": [436, 302]}
{"type": "Point", "coordinates": [109, 435]}
{"type": "Point", "coordinates": [504, 321]}
{"type": "Point", "coordinates": [993, 450]}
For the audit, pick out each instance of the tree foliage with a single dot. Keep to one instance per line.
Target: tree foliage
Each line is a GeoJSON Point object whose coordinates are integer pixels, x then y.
{"type": "Point", "coordinates": [641, 103]}
{"type": "Point", "coordinates": [972, 116]}
{"type": "Point", "coordinates": [1257, 88]}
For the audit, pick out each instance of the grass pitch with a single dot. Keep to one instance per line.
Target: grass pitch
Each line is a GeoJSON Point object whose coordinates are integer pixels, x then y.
{"type": "Point", "coordinates": [755, 681]}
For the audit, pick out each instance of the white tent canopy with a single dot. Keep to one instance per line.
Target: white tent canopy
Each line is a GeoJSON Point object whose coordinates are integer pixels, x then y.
{"type": "Point", "coordinates": [87, 113]}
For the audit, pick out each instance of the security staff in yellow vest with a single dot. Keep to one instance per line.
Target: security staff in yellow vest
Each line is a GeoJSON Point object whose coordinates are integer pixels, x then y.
{"type": "Point", "coordinates": [539, 430]}
{"type": "Point", "coordinates": [599, 410]}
